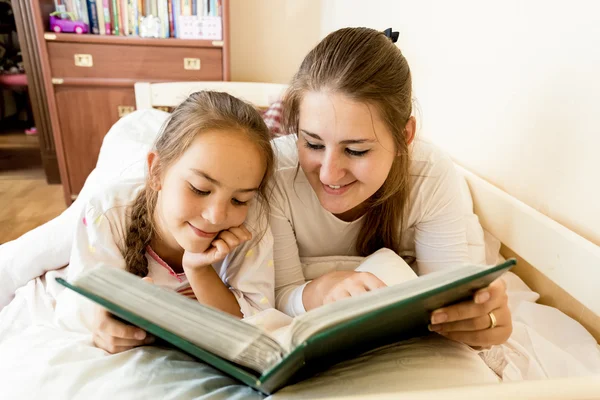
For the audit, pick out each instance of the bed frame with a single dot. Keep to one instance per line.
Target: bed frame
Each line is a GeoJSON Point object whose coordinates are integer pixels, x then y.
{"type": "Point", "coordinates": [563, 267]}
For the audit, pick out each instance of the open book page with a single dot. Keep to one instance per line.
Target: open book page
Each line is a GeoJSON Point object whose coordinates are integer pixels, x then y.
{"type": "Point", "coordinates": [388, 266]}
{"type": "Point", "coordinates": [384, 264]}
{"type": "Point", "coordinates": [206, 327]}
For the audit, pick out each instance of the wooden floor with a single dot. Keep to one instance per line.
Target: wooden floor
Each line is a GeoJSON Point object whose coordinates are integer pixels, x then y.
{"type": "Point", "coordinates": [26, 200]}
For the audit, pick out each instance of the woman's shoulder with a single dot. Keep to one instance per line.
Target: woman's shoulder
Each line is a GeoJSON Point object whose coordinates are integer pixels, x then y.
{"type": "Point", "coordinates": [428, 160]}
{"type": "Point", "coordinates": [286, 152]}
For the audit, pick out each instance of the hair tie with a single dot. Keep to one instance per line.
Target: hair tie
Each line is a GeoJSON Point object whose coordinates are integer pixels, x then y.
{"type": "Point", "coordinates": [393, 36]}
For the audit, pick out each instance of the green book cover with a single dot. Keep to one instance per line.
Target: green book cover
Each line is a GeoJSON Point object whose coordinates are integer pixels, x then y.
{"type": "Point", "coordinates": [319, 339]}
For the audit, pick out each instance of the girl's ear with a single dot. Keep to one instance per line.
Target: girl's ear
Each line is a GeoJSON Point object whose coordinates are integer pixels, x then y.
{"type": "Point", "coordinates": [154, 171]}
{"type": "Point", "coordinates": [410, 129]}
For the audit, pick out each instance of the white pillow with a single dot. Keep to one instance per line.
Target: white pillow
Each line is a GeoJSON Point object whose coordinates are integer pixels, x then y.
{"type": "Point", "coordinates": [48, 247]}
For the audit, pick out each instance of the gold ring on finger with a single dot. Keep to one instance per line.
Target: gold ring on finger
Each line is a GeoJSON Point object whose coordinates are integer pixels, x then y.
{"type": "Point", "coordinates": [493, 321]}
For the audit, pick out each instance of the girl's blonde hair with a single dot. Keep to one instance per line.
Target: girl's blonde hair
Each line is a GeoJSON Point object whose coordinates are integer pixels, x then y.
{"type": "Point", "coordinates": [201, 111]}
{"type": "Point", "coordinates": [364, 65]}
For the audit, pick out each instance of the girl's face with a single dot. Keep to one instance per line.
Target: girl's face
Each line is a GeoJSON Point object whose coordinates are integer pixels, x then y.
{"type": "Point", "coordinates": [345, 149]}
{"type": "Point", "coordinates": [208, 189]}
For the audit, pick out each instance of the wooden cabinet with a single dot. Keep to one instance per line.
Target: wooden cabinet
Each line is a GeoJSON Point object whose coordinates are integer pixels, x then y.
{"type": "Point", "coordinates": [90, 78]}
{"type": "Point", "coordinates": [85, 114]}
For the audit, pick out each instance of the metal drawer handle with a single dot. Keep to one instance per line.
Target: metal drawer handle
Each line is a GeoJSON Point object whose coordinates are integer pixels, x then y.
{"type": "Point", "coordinates": [191, 64]}
{"type": "Point", "coordinates": [124, 110]}
{"type": "Point", "coordinates": [84, 60]}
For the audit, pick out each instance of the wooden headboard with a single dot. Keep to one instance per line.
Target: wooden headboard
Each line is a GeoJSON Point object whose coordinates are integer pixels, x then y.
{"type": "Point", "coordinates": [563, 267]}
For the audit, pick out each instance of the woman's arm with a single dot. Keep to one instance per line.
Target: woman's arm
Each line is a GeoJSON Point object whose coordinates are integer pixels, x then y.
{"type": "Point", "coordinates": [441, 241]}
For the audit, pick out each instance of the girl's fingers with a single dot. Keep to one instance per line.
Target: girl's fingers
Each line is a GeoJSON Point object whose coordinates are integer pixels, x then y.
{"type": "Point", "coordinates": [241, 232]}
{"type": "Point", "coordinates": [230, 239]}
{"type": "Point", "coordinates": [222, 249]}
{"type": "Point", "coordinates": [106, 324]}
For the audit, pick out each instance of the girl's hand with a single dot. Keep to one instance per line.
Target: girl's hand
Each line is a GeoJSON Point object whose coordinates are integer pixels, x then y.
{"type": "Point", "coordinates": [484, 322]}
{"type": "Point", "coordinates": [351, 284]}
{"type": "Point", "coordinates": [222, 245]}
{"type": "Point", "coordinates": [116, 336]}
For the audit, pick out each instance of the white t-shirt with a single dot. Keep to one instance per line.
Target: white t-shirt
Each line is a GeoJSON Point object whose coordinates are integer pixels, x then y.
{"type": "Point", "coordinates": [100, 240]}
{"type": "Point", "coordinates": [437, 230]}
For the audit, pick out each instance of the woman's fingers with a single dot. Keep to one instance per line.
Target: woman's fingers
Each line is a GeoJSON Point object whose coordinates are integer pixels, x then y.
{"type": "Point", "coordinates": [483, 322]}
{"type": "Point", "coordinates": [494, 296]}
{"type": "Point", "coordinates": [354, 285]}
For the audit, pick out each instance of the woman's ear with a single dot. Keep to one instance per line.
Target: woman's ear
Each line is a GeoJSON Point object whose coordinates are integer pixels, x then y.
{"type": "Point", "coordinates": [410, 130]}
{"type": "Point", "coordinates": [154, 171]}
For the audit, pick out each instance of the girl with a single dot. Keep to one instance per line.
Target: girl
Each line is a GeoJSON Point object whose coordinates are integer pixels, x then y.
{"type": "Point", "coordinates": [364, 183]}
{"type": "Point", "coordinates": [193, 225]}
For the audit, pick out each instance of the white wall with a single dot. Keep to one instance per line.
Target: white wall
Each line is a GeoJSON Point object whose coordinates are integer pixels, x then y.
{"type": "Point", "coordinates": [269, 38]}
{"type": "Point", "coordinates": [511, 89]}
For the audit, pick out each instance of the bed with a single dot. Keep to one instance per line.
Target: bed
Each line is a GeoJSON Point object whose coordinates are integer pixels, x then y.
{"type": "Point", "coordinates": [50, 359]}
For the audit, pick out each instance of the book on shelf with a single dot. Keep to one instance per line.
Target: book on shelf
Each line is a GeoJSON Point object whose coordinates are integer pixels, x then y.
{"type": "Point", "coordinates": [271, 350]}
{"type": "Point", "coordinates": [184, 19]}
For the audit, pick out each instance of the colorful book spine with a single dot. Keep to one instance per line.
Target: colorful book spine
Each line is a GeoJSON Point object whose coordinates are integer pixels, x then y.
{"type": "Point", "coordinates": [124, 18]}
{"type": "Point", "coordinates": [93, 17]}
{"type": "Point", "coordinates": [171, 19]}
{"type": "Point", "coordinates": [107, 23]}
{"type": "Point", "coordinates": [115, 17]}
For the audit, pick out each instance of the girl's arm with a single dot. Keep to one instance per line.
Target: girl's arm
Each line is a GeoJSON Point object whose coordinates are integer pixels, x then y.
{"type": "Point", "coordinates": [209, 289]}
{"type": "Point", "coordinates": [243, 283]}
{"type": "Point", "coordinates": [94, 245]}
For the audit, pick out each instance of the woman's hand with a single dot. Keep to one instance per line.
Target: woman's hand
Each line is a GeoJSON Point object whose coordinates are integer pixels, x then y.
{"type": "Point", "coordinates": [337, 285]}
{"type": "Point", "coordinates": [223, 244]}
{"type": "Point", "coordinates": [483, 322]}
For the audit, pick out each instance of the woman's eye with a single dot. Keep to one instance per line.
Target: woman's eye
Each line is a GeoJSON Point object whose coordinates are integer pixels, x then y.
{"type": "Point", "coordinates": [238, 202]}
{"type": "Point", "coordinates": [198, 191]}
{"type": "Point", "coordinates": [356, 153]}
{"type": "Point", "coordinates": [313, 146]}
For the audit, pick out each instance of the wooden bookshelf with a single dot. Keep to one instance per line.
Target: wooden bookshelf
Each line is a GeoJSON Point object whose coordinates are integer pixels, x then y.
{"type": "Point", "coordinates": [88, 82]}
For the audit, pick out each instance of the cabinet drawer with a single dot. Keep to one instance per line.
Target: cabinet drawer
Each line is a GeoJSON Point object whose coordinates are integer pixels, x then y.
{"type": "Point", "coordinates": [85, 115]}
{"type": "Point", "coordinates": [118, 61]}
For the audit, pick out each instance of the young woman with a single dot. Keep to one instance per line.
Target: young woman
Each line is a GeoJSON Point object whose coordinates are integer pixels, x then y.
{"type": "Point", "coordinates": [361, 182]}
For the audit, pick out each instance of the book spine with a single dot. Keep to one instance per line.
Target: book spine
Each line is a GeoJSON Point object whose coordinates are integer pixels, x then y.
{"type": "Point", "coordinates": [176, 14]}
{"type": "Point", "coordinates": [131, 16]}
{"type": "Point", "coordinates": [154, 8]}
{"type": "Point", "coordinates": [115, 17]}
{"type": "Point", "coordinates": [107, 24]}
{"type": "Point", "coordinates": [82, 11]}
{"type": "Point", "coordinates": [124, 17]}
{"type": "Point", "coordinates": [100, 14]}
{"type": "Point", "coordinates": [93, 17]}
{"type": "Point", "coordinates": [171, 19]}
{"type": "Point", "coordinates": [186, 7]}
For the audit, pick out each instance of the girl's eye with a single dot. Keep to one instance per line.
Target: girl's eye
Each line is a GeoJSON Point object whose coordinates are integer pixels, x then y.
{"type": "Point", "coordinates": [198, 191]}
{"type": "Point", "coordinates": [356, 153]}
{"type": "Point", "coordinates": [313, 146]}
{"type": "Point", "coordinates": [237, 202]}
